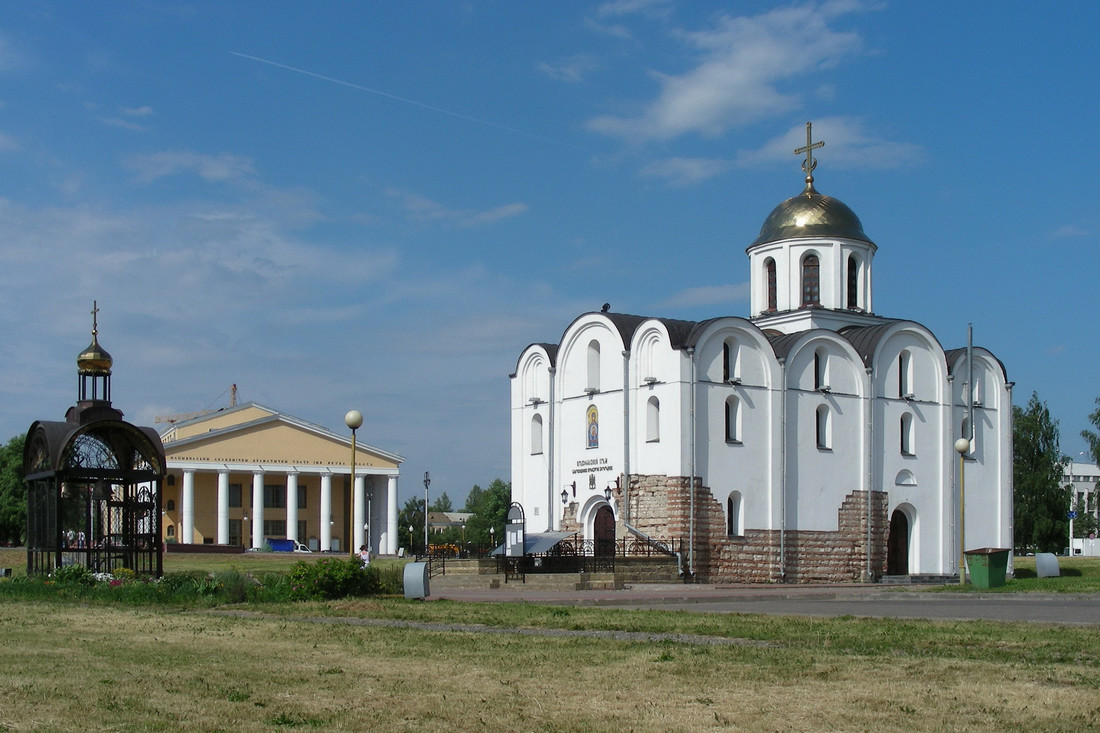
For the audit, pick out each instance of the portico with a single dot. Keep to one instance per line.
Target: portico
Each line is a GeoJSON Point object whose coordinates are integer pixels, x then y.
{"type": "Point", "coordinates": [246, 474]}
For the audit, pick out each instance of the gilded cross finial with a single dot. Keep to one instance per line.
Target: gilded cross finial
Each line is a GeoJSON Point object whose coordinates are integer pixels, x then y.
{"type": "Point", "coordinates": [809, 164]}
{"type": "Point", "coordinates": [95, 318]}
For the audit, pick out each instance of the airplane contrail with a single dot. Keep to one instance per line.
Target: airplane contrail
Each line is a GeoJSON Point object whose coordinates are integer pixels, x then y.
{"type": "Point", "coordinates": [404, 100]}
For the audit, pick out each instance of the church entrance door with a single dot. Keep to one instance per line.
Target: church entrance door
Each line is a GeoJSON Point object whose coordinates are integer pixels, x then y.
{"type": "Point", "coordinates": [897, 548]}
{"type": "Point", "coordinates": [603, 532]}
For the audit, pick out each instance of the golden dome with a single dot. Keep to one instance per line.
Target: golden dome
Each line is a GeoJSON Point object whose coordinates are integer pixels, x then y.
{"type": "Point", "coordinates": [811, 215]}
{"type": "Point", "coordinates": [94, 359]}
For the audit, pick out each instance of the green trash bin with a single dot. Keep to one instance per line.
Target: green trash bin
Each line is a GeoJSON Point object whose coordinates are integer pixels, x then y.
{"type": "Point", "coordinates": [988, 567]}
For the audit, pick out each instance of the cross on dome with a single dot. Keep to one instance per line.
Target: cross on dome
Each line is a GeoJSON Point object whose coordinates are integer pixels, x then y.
{"type": "Point", "coordinates": [809, 164]}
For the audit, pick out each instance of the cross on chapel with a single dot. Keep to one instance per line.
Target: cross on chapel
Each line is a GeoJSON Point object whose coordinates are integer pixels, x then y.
{"type": "Point", "coordinates": [809, 164]}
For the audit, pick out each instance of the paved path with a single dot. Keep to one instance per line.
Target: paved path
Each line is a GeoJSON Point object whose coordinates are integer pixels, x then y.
{"type": "Point", "coordinates": [854, 600]}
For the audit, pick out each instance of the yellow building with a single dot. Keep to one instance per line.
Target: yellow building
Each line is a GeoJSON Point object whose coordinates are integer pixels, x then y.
{"type": "Point", "coordinates": [247, 474]}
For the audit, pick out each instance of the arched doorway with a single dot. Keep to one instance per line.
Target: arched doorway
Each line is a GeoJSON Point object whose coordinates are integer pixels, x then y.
{"type": "Point", "coordinates": [897, 546]}
{"type": "Point", "coordinates": [603, 532]}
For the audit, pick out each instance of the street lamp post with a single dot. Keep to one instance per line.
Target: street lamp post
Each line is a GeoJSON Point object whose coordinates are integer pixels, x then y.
{"type": "Point", "coordinates": [411, 539]}
{"type": "Point", "coordinates": [427, 481]}
{"type": "Point", "coordinates": [354, 420]}
{"type": "Point", "coordinates": [962, 447]}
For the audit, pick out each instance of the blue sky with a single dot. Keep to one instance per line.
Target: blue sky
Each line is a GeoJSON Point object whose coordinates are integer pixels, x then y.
{"type": "Point", "coordinates": [379, 205]}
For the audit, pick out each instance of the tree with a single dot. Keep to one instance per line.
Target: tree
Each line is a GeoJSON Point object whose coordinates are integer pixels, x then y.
{"type": "Point", "coordinates": [1093, 439]}
{"type": "Point", "coordinates": [442, 504]}
{"type": "Point", "coordinates": [13, 493]}
{"type": "Point", "coordinates": [490, 510]}
{"type": "Point", "coordinates": [1041, 501]}
{"type": "Point", "coordinates": [411, 515]}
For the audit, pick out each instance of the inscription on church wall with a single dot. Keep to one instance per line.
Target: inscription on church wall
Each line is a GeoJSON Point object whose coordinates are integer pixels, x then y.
{"type": "Point", "coordinates": [593, 465]}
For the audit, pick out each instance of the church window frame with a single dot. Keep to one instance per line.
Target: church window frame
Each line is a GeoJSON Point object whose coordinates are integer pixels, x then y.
{"type": "Point", "coordinates": [735, 514]}
{"type": "Point", "coordinates": [811, 281]}
{"type": "Point", "coordinates": [653, 420]}
{"type": "Point", "coordinates": [823, 427]}
{"type": "Point", "coordinates": [821, 369]}
{"type": "Point", "coordinates": [170, 505]}
{"type": "Point", "coordinates": [853, 283]}
{"type": "Point", "coordinates": [906, 434]}
{"type": "Point", "coordinates": [593, 366]}
{"type": "Point", "coordinates": [536, 435]}
{"type": "Point", "coordinates": [772, 303]}
{"type": "Point", "coordinates": [905, 374]}
{"type": "Point", "coordinates": [731, 361]}
{"type": "Point", "coordinates": [733, 416]}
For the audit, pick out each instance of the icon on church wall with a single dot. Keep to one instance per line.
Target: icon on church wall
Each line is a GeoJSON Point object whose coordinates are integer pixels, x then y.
{"type": "Point", "coordinates": [592, 418]}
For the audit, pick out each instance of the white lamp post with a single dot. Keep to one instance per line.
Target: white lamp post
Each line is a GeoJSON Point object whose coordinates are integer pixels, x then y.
{"type": "Point", "coordinates": [354, 420]}
{"type": "Point", "coordinates": [962, 447]}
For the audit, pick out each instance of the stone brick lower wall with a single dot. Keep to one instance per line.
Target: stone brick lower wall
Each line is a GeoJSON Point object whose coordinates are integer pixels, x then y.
{"type": "Point", "coordinates": [661, 506]}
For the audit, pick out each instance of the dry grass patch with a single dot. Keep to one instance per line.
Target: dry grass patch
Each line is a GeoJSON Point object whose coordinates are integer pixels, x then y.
{"type": "Point", "coordinates": [67, 667]}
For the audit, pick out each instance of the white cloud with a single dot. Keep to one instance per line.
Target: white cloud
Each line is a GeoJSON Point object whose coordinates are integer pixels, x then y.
{"type": "Point", "coordinates": [648, 8]}
{"type": "Point", "coordinates": [707, 295]}
{"type": "Point", "coordinates": [847, 145]}
{"type": "Point", "coordinates": [422, 209]}
{"type": "Point", "coordinates": [1070, 231]}
{"type": "Point", "coordinates": [680, 172]}
{"type": "Point", "coordinates": [740, 73]}
{"type": "Point", "coordinates": [573, 69]}
{"type": "Point", "coordinates": [223, 167]}
{"type": "Point", "coordinates": [121, 123]}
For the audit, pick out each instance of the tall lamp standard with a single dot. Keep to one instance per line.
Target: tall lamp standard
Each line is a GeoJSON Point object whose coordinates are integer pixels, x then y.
{"type": "Point", "coordinates": [354, 420]}
{"type": "Point", "coordinates": [427, 481]}
{"type": "Point", "coordinates": [962, 447]}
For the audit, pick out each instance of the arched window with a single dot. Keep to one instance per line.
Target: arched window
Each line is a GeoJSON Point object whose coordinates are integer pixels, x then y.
{"type": "Point", "coordinates": [821, 374]}
{"type": "Point", "coordinates": [811, 281]}
{"type": "Point", "coordinates": [735, 526]}
{"type": "Point", "coordinates": [853, 282]}
{"type": "Point", "coordinates": [733, 420]}
{"type": "Point", "coordinates": [170, 530]}
{"type": "Point", "coordinates": [824, 427]}
{"type": "Point", "coordinates": [170, 505]}
{"type": "Point", "coordinates": [905, 374]}
{"type": "Point", "coordinates": [536, 435]}
{"type": "Point", "coordinates": [907, 434]}
{"type": "Point", "coordinates": [773, 295]}
{"type": "Point", "coordinates": [653, 420]}
{"type": "Point", "coordinates": [593, 366]}
{"type": "Point", "coordinates": [731, 361]}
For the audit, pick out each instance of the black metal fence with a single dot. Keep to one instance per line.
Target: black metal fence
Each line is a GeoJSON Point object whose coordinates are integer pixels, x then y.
{"type": "Point", "coordinates": [578, 555]}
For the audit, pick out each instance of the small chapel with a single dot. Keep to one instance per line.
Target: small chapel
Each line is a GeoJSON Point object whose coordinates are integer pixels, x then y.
{"type": "Point", "coordinates": [813, 441]}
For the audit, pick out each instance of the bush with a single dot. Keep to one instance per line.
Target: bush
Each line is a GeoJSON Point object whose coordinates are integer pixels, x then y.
{"type": "Point", "coordinates": [74, 574]}
{"type": "Point", "coordinates": [332, 578]}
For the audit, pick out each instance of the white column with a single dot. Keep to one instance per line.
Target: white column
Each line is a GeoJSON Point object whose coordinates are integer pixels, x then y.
{"type": "Point", "coordinates": [292, 505]}
{"type": "Point", "coordinates": [326, 512]}
{"type": "Point", "coordinates": [258, 509]}
{"type": "Point", "coordinates": [223, 507]}
{"type": "Point", "coordinates": [391, 516]}
{"type": "Point", "coordinates": [187, 531]}
{"type": "Point", "coordinates": [358, 500]}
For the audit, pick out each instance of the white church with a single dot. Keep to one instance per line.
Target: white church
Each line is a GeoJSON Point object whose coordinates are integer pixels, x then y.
{"type": "Point", "coordinates": [814, 441]}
